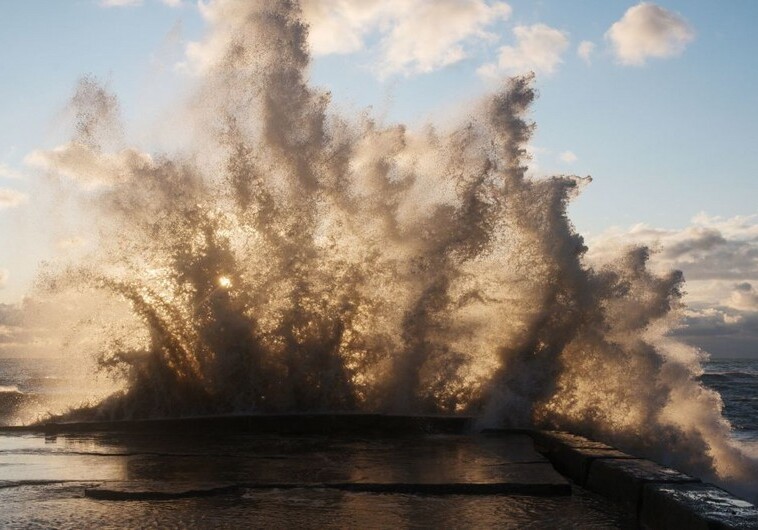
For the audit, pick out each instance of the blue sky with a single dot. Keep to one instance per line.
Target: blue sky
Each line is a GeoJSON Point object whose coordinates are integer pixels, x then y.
{"type": "Point", "coordinates": [665, 140]}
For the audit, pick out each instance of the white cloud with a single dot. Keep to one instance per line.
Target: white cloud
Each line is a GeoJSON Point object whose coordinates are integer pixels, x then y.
{"type": "Point", "coordinates": [3, 278]}
{"type": "Point", "coordinates": [338, 27]}
{"type": "Point", "coordinates": [568, 157]}
{"type": "Point", "coordinates": [408, 36]}
{"type": "Point", "coordinates": [88, 166]}
{"type": "Point", "coordinates": [120, 3]}
{"type": "Point", "coordinates": [434, 34]}
{"type": "Point", "coordinates": [11, 198]}
{"type": "Point", "coordinates": [647, 30]}
{"type": "Point", "coordinates": [584, 50]}
{"type": "Point", "coordinates": [172, 3]}
{"type": "Point", "coordinates": [538, 48]}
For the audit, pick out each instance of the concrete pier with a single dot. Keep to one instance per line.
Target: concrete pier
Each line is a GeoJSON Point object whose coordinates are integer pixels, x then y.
{"type": "Point", "coordinates": [538, 475]}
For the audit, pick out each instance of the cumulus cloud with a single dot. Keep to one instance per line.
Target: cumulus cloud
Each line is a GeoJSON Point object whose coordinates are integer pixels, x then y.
{"type": "Point", "coordinates": [584, 50]}
{"type": "Point", "coordinates": [89, 166]}
{"type": "Point", "coordinates": [744, 297]}
{"type": "Point", "coordinates": [538, 48]}
{"type": "Point", "coordinates": [719, 258]}
{"type": "Point", "coordinates": [647, 30]}
{"type": "Point", "coordinates": [568, 157]}
{"type": "Point", "coordinates": [408, 36]}
{"type": "Point", "coordinates": [710, 248]}
{"type": "Point", "coordinates": [434, 35]}
{"type": "Point", "coordinates": [11, 198]}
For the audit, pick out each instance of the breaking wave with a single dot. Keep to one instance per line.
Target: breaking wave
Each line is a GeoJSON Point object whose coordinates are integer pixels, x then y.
{"type": "Point", "coordinates": [290, 258]}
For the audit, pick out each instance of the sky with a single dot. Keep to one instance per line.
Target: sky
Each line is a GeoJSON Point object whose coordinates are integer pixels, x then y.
{"type": "Point", "coordinates": [655, 101]}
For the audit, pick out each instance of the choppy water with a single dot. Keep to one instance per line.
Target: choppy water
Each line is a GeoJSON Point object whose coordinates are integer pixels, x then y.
{"type": "Point", "coordinates": [737, 382]}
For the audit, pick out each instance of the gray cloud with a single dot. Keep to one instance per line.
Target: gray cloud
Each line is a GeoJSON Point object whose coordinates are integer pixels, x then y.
{"type": "Point", "coordinates": [721, 331]}
{"type": "Point", "coordinates": [719, 258]}
{"type": "Point", "coordinates": [701, 240]}
{"type": "Point", "coordinates": [744, 297]}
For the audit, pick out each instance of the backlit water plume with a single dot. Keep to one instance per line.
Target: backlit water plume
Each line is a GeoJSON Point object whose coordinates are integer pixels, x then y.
{"type": "Point", "coordinates": [294, 259]}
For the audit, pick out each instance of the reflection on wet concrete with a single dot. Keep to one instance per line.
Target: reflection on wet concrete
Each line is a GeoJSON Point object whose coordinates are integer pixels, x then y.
{"type": "Point", "coordinates": [283, 481]}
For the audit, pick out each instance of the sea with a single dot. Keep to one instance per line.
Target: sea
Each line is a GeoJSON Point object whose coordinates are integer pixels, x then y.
{"type": "Point", "coordinates": [32, 388]}
{"type": "Point", "coordinates": [737, 382]}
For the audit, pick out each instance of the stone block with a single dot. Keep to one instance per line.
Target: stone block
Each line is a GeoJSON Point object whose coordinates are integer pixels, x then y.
{"type": "Point", "coordinates": [622, 480]}
{"type": "Point", "coordinates": [694, 507]}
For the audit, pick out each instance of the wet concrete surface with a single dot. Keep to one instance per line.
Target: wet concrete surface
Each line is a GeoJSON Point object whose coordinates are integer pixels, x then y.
{"type": "Point", "coordinates": [133, 479]}
{"type": "Point", "coordinates": [662, 498]}
{"type": "Point", "coordinates": [695, 507]}
{"type": "Point", "coordinates": [451, 461]}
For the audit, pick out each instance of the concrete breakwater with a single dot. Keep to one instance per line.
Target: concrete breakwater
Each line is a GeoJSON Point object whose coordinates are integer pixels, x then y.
{"type": "Point", "coordinates": [658, 496]}
{"type": "Point", "coordinates": [430, 456]}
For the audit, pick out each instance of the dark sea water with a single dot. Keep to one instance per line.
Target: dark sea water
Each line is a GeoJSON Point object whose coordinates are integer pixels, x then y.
{"type": "Point", "coordinates": [737, 382]}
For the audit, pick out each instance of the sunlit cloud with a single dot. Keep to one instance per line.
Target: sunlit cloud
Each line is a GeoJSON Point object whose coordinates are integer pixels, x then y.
{"type": "Point", "coordinates": [407, 36]}
{"type": "Point", "coordinates": [435, 35]}
{"type": "Point", "coordinates": [538, 49]}
{"type": "Point", "coordinates": [11, 198]}
{"type": "Point", "coordinates": [647, 30]}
